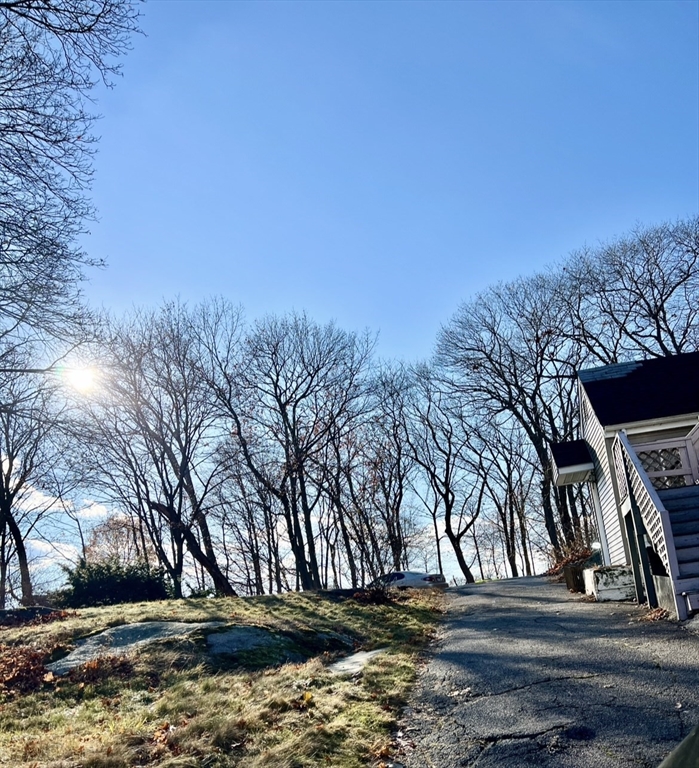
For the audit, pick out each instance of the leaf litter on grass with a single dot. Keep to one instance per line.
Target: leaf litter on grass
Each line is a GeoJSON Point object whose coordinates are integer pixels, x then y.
{"type": "Point", "coordinates": [173, 705]}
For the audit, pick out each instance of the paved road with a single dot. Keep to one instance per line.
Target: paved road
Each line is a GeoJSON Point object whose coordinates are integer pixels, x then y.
{"type": "Point", "coordinates": [527, 674]}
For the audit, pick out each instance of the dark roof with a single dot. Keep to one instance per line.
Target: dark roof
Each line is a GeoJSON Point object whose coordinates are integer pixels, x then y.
{"type": "Point", "coordinates": [647, 389]}
{"type": "Point", "coordinates": [571, 454]}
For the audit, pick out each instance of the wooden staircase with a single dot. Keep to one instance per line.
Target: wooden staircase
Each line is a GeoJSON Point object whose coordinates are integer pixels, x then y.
{"type": "Point", "coordinates": [683, 506]}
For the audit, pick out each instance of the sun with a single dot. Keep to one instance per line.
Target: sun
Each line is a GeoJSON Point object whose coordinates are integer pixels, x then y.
{"type": "Point", "coordinates": [82, 379]}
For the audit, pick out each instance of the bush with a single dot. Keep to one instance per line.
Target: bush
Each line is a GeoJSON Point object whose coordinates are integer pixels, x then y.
{"type": "Point", "coordinates": [109, 582]}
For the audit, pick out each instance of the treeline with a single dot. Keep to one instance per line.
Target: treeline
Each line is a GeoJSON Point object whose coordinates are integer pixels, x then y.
{"type": "Point", "coordinates": [513, 352]}
{"type": "Point", "coordinates": [52, 55]}
{"type": "Point", "coordinates": [281, 454]}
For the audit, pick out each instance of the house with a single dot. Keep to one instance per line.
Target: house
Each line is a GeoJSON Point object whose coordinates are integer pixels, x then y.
{"type": "Point", "coordinates": [638, 452]}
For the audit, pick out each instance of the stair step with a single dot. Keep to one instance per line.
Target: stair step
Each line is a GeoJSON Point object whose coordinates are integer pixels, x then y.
{"type": "Point", "coordinates": [690, 491]}
{"type": "Point", "coordinates": [677, 505]}
{"type": "Point", "coordinates": [687, 585]}
{"type": "Point", "coordinates": [692, 600]}
{"type": "Point", "coordinates": [683, 529]}
{"type": "Point", "coordinates": [683, 515]}
{"type": "Point", "coordinates": [689, 570]}
{"type": "Point", "coordinates": [688, 540]}
{"type": "Point", "coordinates": [687, 554]}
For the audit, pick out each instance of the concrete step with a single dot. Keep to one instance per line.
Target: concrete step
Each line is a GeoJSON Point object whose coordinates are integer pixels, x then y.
{"type": "Point", "coordinates": [689, 492]}
{"type": "Point", "coordinates": [688, 540]}
{"type": "Point", "coordinates": [687, 554]}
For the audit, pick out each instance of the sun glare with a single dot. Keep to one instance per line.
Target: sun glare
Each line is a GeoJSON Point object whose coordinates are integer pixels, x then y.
{"type": "Point", "coordinates": [81, 379]}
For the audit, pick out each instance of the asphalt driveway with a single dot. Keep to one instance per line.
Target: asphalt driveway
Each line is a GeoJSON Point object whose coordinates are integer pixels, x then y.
{"type": "Point", "coordinates": [526, 673]}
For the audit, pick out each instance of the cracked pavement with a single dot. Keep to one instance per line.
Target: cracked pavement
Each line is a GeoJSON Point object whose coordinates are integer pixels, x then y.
{"type": "Point", "coordinates": [525, 673]}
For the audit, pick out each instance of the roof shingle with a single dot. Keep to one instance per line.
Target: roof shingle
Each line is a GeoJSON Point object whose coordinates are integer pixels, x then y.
{"type": "Point", "coordinates": [647, 389]}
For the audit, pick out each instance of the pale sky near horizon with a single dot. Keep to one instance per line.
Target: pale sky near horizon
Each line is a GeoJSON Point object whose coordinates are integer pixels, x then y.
{"type": "Point", "coordinates": [377, 163]}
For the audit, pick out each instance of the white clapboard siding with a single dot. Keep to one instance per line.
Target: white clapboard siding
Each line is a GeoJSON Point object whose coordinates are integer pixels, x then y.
{"type": "Point", "coordinates": [593, 432]}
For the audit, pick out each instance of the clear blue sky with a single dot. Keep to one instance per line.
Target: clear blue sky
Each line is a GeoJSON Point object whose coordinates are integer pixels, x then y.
{"type": "Point", "coordinates": [378, 162]}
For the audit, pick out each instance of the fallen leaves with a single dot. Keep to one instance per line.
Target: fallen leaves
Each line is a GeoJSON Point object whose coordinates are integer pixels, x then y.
{"type": "Point", "coordinates": [305, 701]}
{"type": "Point", "coordinates": [162, 742]}
{"type": "Point", "coordinates": [101, 668]}
{"type": "Point", "coordinates": [19, 620]}
{"type": "Point", "coordinates": [575, 557]}
{"type": "Point", "coordinates": [21, 669]}
{"type": "Point", "coordinates": [656, 614]}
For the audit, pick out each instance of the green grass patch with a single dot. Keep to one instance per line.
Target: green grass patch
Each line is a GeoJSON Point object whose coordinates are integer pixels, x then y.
{"type": "Point", "coordinates": [173, 705]}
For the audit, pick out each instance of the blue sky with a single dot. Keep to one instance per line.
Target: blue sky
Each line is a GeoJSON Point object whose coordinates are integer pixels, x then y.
{"type": "Point", "coordinates": [376, 163]}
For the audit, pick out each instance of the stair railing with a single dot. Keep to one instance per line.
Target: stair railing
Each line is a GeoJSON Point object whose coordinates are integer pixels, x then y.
{"type": "Point", "coordinates": [656, 518]}
{"type": "Point", "coordinates": [669, 463]}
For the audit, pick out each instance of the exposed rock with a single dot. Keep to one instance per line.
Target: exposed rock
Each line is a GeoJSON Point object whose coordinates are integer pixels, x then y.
{"type": "Point", "coordinates": [240, 639]}
{"type": "Point", "coordinates": [354, 664]}
{"type": "Point", "coordinates": [121, 640]}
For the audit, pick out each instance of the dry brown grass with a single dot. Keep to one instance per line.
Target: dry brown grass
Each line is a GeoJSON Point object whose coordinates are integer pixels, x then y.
{"type": "Point", "coordinates": [172, 706]}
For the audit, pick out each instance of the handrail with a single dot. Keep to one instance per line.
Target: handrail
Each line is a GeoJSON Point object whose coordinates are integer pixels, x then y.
{"type": "Point", "coordinates": [656, 518]}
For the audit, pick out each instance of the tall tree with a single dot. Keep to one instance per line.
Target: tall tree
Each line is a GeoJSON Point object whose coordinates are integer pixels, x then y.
{"type": "Point", "coordinates": [299, 380]}
{"type": "Point", "coordinates": [438, 437]}
{"type": "Point", "coordinates": [287, 387]}
{"type": "Point", "coordinates": [388, 463]}
{"type": "Point", "coordinates": [154, 437]}
{"type": "Point", "coordinates": [508, 357]}
{"type": "Point", "coordinates": [29, 422]}
{"type": "Point", "coordinates": [637, 296]}
{"type": "Point", "coordinates": [52, 54]}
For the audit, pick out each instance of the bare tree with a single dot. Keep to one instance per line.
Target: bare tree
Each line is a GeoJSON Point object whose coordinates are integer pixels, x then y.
{"type": "Point", "coordinates": [51, 56]}
{"type": "Point", "coordinates": [295, 396]}
{"type": "Point", "coordinates": [507, 471]}
{"type": "Point", "coordinates": [119, 538]}
{"type": "Point", "coordinates": [438, 437]}
{"type": "Point", "coordinates": [509, 360]}
{"type": "Point", "coordinates": [635, 296]}
{"type": "Point", "coordinates": [388, 463]}
{"type": "Point", "coordinates": [250, 525]}
{"type": "Point", "coordinates": [154, 436]}
{"type": "Point", "coordinates": [294, 383]}
{"type": "Point", "coordinates": [29, 420]}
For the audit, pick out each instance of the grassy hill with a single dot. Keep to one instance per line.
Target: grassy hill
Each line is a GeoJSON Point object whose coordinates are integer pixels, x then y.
{"type": "Point", "coordinates": [174, 704]}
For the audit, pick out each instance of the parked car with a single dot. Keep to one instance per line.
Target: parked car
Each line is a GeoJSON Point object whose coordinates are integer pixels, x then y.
{"type": "Point", "coordinates": [410, 580]}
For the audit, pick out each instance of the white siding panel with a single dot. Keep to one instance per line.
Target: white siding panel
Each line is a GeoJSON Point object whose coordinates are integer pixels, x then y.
{"type": "Point", "coordinates": [594, 434]}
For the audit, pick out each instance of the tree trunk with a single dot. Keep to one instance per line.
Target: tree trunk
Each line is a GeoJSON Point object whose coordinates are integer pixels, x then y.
{"type": "Point", "coordinates": [221, 583]}
{"type": "Point", "coordinates": [549, 519]}
{"type": "Point", "coordinates": [478, 554]}
{"type": "Point", "coordinates": [436, 541]}
{"type": "Point", "coordinates": [21, 552]}
{"type": "Point", "coordinates": [456, 545]}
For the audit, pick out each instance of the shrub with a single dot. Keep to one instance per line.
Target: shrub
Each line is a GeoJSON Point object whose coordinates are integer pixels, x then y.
{"type": "Point", "coordinates": [109, 582]}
